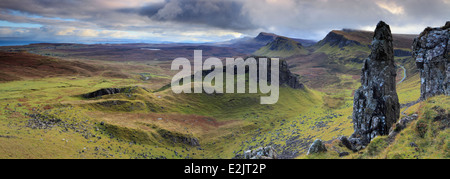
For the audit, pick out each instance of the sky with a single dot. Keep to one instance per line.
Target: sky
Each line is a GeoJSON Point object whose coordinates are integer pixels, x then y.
{"type": "Point", "coordinates": [192, 21]}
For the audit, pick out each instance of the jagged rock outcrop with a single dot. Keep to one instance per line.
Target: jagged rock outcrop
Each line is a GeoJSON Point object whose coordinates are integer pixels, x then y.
{"type": "Point", "coordinates": [286, 77]}
{"type": "Point", "coordinates": [345, 142]}
{"type": "Point", "coordinates": [431, 51]}
{"type": "Point", "coordinates": [260, 153]}
{"type": "Point", "coordinates": [376, 107]}
{"type": "Point", "coordinates": [316, 147]}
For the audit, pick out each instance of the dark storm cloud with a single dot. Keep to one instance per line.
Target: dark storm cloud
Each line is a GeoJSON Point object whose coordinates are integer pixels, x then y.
{"type": "Point", "coordinates": [226, 14]}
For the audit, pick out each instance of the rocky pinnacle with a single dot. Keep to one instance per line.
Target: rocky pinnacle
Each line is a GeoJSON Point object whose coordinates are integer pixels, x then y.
{"type": "Point", "coordinates": [376, 107]}
{"type": "Point", "coordinates": [431, 51]}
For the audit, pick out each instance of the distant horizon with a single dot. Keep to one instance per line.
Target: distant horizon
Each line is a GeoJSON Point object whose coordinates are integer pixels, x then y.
{"type": "Point", "coordinates": [22, 42]}
{"type": "Point", "coordinates": [203, 21]}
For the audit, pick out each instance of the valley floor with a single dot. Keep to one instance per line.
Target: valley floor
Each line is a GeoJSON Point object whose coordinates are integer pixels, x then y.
{"type": "Point", "coordinates": [47, 117]}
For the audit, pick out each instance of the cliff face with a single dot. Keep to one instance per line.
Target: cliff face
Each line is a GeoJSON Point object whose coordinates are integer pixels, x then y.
{"type": "Point", "coordinates": [431, 51]}
{"type": "Point", "coordinates": [335, 39]}
{"type": "Point", "coordinates": [376, 107]}
{"type": "Point", "coordinates": [287, 77]}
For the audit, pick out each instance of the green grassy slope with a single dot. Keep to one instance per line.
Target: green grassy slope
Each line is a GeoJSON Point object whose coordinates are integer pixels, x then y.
{"type": "Point", "coordinates": [135, 123]}
{"type": "Point", "coordinates": [148, 121]}
{"type": "Point", "coordinates": [427, 137]}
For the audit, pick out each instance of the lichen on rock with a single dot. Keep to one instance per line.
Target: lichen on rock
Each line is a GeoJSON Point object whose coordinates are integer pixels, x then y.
{"type": "Point", "coordinates": [376, 107]}
{"type": "Point", "coordinates": [431, 52]}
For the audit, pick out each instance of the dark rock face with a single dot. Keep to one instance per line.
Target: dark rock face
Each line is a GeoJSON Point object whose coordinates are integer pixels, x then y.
{"type": "Point", "coordinates": [288, 78]}
{"type": "Point", "coordinates": [316, 147]}
{"type": "Point", "coordinates": [346, 143]}
{"type": "Point", "coordinates": [431, 51]}
{"type": "Point", "coordinates": [102, 92]}
{"type": "Point", "coordinates": [376, 107]}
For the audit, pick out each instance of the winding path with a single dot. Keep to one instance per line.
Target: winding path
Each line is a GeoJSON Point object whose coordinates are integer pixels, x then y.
{"type": "Point", "coordinates": [404, 74]}
{"type": "Point", "coordinates": [407, 105]}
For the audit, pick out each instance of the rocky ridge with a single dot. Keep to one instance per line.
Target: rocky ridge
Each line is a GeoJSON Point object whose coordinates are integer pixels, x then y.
{"type": "Point", "coordinates": [259, 153]}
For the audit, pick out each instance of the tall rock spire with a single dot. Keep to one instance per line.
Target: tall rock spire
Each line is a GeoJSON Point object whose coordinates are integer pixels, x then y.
{"type": "Point", "coordinates": [431, 51]}
{"type": "Point", "coordinates": [376, 107]}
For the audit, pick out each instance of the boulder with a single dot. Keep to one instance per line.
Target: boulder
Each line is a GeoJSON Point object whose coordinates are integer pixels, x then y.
{"type": "Point", "coordinates": [343, 154]}
{"type": "Point", "coordinates": [260, 153]}
{"type": "Point", "coordinates": [344, 140]}
{"type": "Point", "coordinates": [376, 107]}
{"type": "Point", "coordinates": [431, 52]}
{"type": "Point", "coordinates": [316, 147]}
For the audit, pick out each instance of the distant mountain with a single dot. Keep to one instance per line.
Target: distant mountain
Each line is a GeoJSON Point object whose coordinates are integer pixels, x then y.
{"type": "Point", "coordinates": [249, 45]}
{"type": "Point", "coordinates": [343, 52]}
{"type": "Point", "coordinates": [343, 46]}
{"type": "Point", "coordinates": [282, 47]}
{"type": "Point", "coordinates": [265, 37]}
{"type": "Point", "coordinates": [347, 37]}
{"type": "Point", "coordinates": [269, 37]}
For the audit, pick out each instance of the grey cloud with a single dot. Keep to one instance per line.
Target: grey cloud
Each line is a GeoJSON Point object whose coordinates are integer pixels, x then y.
{"type": "Point", "coordinates": [315, 18]}
{"type": "Point", "coordinates": [310, 19]}
{"type": "Point", "coordinates": [60, 8]}
{"type": "Point", "coordinates": [226, 14]}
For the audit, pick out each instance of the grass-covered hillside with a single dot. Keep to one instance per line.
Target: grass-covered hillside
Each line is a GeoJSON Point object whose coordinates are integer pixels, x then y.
{"type": "Point", "coordinates": [426, 137]}
{"type": "Point", "coordinates": [49, 117]}
{"type": "Point", "coordinates": [44, 111]}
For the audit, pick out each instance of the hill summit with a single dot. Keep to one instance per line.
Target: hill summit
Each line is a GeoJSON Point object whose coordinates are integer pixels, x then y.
{"type": "Point", "coordinates": [265, 37]}
{"type": "Point", "coordinates": [349, 37]}
{"type": "Point", "coordinates": [282, 47]}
